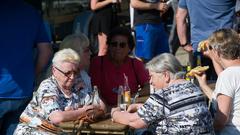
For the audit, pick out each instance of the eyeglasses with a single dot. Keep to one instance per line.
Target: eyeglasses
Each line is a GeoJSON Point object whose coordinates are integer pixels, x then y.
{"type": "Point", "coordinates": [69, 73]}
{"type": "Point", "coordinates": [119, 44]}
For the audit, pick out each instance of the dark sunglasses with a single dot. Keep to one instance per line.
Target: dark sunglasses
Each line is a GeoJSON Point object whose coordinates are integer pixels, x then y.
{"type": "Point", "coordinates": [69, 73]}
{"type": "Point", "coordinates": [119, 44]}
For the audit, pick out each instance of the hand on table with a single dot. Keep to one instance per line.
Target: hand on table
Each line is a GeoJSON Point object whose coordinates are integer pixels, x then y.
{"type": "Point", "coordinates": [133, 108]}
{"type": "Point", "coordinates": [116, 109]}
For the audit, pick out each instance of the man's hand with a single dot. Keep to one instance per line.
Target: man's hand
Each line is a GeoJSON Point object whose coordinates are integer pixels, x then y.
{"type": "Point", "coordinates": [188, 48]}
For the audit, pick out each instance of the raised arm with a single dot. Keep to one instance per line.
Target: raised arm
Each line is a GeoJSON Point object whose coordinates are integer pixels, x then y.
{"type": "Point", "coordinates": [95, 4]}
{"type": "Point", "coordinates": [203, 84]}
{"type": "Point", "coordinates": [212, 54]}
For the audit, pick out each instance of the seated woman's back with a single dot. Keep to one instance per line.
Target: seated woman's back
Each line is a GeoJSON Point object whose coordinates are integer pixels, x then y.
{"type": "Point", "coordinates": [180, 109]}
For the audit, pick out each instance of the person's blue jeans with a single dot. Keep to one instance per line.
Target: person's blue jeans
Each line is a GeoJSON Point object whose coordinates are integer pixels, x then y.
{"type": "Point", "coordinates": [10, 111]}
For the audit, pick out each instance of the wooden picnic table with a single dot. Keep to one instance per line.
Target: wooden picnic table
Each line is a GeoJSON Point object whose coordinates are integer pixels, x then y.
{"type": "Point", "coordinates": [105, 126]}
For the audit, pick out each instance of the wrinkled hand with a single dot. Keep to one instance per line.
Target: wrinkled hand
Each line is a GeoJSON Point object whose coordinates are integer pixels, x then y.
{"type": "Point", "coordinates": [116, 109]}
{"type": "Point", "coordinates": [132, 108]}
{"type": "Point", "coordinates": [89, 109]}
{"type": "Point", "coordinates": [202, 78]}
{"type": "Point", "coordinates": [68, 108]}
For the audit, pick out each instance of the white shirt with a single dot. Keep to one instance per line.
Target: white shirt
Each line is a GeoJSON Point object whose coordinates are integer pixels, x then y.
{"type": "Point", "coordinates": [228, 83]}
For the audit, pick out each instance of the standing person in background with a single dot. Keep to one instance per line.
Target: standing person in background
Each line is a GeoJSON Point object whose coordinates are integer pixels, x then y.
{"type": "Point", "coordinates": [21, 29]}
{"type": "Point", "coordinates": [206, 16]}
{"type": "Point", "coordinates": [151, 38]}
{"type": "Point", "coordinates": [104, 19]}
{"type": "Point", "coordinates": [173, 38]}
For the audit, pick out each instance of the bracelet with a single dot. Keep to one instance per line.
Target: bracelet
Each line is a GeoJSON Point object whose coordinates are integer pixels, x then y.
{"type": "Point", "coordinates": [183, 45]}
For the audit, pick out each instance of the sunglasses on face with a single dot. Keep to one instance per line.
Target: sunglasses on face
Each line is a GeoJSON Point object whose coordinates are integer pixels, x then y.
{"type": "Point", "coordinates": [68, 73]}
{"type": "Point", "coordinates": [118, 44]}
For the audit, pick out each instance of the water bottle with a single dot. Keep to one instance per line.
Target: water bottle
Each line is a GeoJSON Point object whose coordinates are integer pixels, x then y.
{"type": "Point", "coordinates": [120, 97]}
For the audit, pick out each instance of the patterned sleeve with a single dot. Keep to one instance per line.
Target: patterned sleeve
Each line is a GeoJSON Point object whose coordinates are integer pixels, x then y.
{"type": "Point", "coordinates": [48, 97]}
{"type": "Point", "coordinates": [152, 110]}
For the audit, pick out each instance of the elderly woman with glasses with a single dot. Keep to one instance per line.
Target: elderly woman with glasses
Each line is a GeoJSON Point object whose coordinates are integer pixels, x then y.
{"type": "Point", "coordinates": [80, 44]}
{"type": "Point", "coordinates": [56, 99]}
{"type": "Point", "coordinates": [177, 107]}
{"type": "Point", "coordinates": [107, 72]}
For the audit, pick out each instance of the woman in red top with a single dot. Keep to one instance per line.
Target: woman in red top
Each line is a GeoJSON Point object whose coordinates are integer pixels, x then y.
{"type": "Point", "coordinates": [107, 72]}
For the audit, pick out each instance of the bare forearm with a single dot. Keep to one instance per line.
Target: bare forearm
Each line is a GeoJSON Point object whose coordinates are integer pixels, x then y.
{"type": "Point", "coordinates": [124, 117]}
{"type": "Point", "coordinates": [95, 4]}
{"type": "Point", "coordinates": [207, 90]}
{"type": "Point", "coordinates": [64, 116]}
{"type": "Point", "coordinates": [181, 25]}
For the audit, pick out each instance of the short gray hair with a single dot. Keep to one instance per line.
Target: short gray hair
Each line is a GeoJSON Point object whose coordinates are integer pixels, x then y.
{"type": "Point", "coordinates": [65, 55]}
{"type": "Point", "coordinates": [166, 62]}
{"type": "Point", "coordinates": [77, 42]}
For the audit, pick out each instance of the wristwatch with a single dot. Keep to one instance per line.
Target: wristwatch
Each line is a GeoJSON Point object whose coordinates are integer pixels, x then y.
{"type": "Point", "coordinates": [183, 45]}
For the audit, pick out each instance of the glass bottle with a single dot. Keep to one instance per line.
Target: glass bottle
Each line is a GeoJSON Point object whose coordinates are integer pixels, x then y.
{"type": "Point", "coordinates": [199, 62]}
{"type": "Point", "coordinates": [120, 96]}
{"type": "Point", "coordinates": [189, 78]}
{"type": "Point", "coordinates": [127, 92]}
{"type": "Point", "coordinates": [95, 96]}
